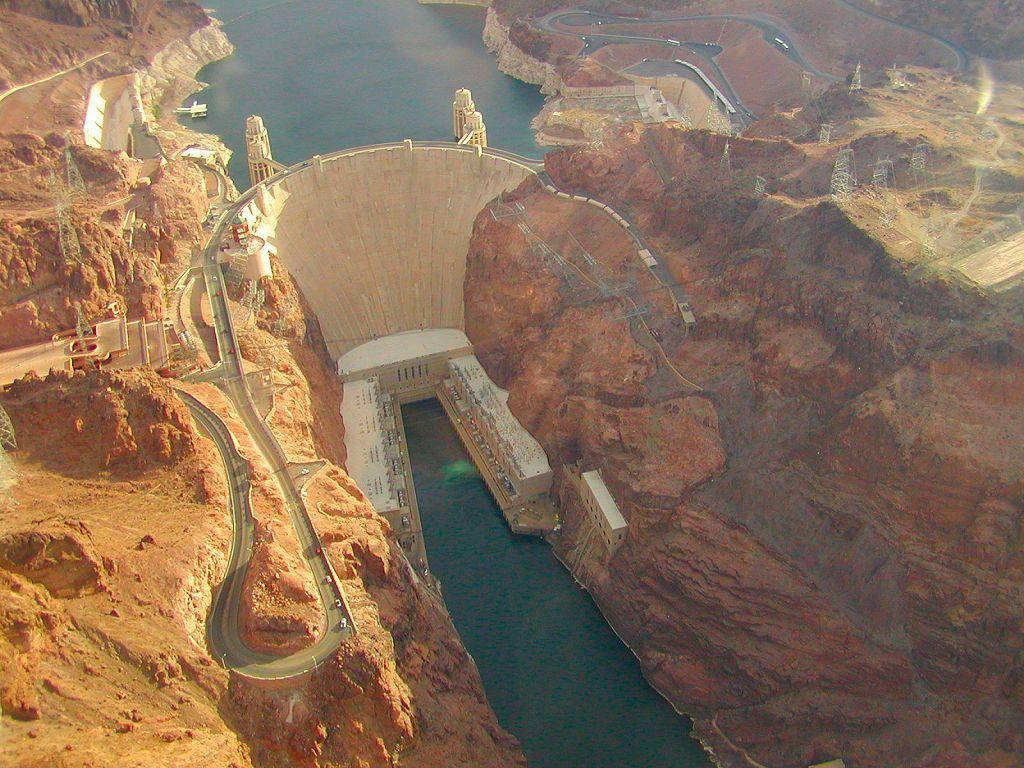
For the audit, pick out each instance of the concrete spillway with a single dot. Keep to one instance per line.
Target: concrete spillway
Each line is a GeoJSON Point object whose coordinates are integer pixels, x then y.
{"type": "Point", "coordinates": [377, 238]}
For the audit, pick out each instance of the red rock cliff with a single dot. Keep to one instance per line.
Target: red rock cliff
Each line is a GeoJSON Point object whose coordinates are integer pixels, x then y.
{"type": "Point", "coordinates": [824, 554]}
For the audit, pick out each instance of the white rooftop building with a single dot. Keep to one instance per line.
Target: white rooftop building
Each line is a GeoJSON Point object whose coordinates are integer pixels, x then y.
{"type": "Point", "coordinates": [371, 442]}
{"type": "Point", "coordinates": [602, 509]}
{"type": "Point", "coordinates": [514, 449]}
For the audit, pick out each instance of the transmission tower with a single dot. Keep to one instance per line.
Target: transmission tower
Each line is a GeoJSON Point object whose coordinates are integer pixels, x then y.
{"type": "Point", "coordinates": [725, 164]}
{"type": "Point", "coordinates": [70, 248]}
{"type": "Point", "coordinates": [75, 184]}
{"type": "Point", "coordinates": [759, 186]}
{"type": "Point", "coordinates": [825, 134]}
{"type": "Point", "coordinates": [807, 83]}
{"type": "Point", "coordinates": [254, 296]}
{"type": "Point", "coordinates": [884, 175]}
{"type": "Point", "coordinates": [918, 162]}
{"type": "Point", "coordinates": [7, 439]}
{"type": "Point", "coordinates": [844, 175]}
{"type": "Point", "coordinates": [855, 81]}
{"type": "Point", "coordinates": [82, 328]}
{"type": "Point", "coordinates": [685, 115]}
{"type": "Point", "coordinates": [896, 79]}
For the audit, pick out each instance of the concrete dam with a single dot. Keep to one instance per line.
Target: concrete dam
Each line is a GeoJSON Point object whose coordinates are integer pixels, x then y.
{"type": "Point", "coordinates": [377, 238]}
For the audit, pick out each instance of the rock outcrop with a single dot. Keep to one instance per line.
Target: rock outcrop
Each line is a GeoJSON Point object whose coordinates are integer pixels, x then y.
{"type": "Point", "coordinates": [824, 551]}
{"type": "Point", "coordinates": [513, 60]}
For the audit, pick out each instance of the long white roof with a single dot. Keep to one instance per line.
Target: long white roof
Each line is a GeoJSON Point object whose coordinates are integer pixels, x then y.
{"type": "Point", "coordinates": [604, 499]}
{"type": "Point", "coordinates": [493, 400]}
{"type": "Point", "coordinates": [369, 453]}
{"type": "Point", "coordinates": [398, 347]}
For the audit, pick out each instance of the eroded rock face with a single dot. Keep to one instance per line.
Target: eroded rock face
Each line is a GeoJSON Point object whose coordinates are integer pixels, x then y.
{"type": "Point", "coordinates": [280, 612]}
{"type": "Point", "coordinates": [61, 559]}
{"type": "Point", "coordinates": [87, 421]}
{"type": "Point", "coordinates": [824, 554]}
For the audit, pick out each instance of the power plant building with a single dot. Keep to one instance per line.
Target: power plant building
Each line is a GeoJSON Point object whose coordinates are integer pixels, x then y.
{"type": "Point", "coordinates": [374, 457]}
{"type": "Point", "coordinates": [408, 365]}
{"type": "Point", "coordinates": [521, 463]}
{"type": "Point", "coordinates": [602, 510]}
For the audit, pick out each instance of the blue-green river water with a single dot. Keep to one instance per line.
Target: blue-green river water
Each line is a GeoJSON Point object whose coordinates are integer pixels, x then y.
{"type": "Point", "coordinates": [326, 75]}
{"type": "Point", "coordinates": [557, 676]}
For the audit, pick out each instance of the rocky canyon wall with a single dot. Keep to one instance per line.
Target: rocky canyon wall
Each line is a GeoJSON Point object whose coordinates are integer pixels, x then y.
{"type": "Point", "coordinates": [824, 555]}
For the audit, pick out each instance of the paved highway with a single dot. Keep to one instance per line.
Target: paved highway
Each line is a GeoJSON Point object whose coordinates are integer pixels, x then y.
{"type": "Point", "coordinates": [223, 624]}
{"type": "Point", "coordinates": [963, 58]}
{"type": "Point", "coordinates": [771, 30]}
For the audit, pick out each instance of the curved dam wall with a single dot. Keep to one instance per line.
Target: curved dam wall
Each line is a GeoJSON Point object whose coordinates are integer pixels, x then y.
{"type": "Point", "coordinates": [377, 238]}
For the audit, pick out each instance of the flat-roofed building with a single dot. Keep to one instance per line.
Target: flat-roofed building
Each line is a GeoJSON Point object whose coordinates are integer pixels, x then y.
{"type": "Point", "coordinates": [374, 457]}
{"type": "Point", "coordinates": [409, 364]}
{"type": "Point", "coordinates": [522, 463]}
{"type": "Point", "coordinates": [602, 509]}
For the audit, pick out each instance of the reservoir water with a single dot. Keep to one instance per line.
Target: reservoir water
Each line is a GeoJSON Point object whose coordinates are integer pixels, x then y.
{"type": "Point", "coordinates": [557, 677]}
{"type": "Point", "coordinates": [326, 75]}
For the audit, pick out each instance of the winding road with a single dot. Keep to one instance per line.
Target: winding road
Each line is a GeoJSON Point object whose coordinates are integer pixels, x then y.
{"type": "Point", "coordinates": [223, 623]}
{"type": "Point", "coordinates": [562, 22]}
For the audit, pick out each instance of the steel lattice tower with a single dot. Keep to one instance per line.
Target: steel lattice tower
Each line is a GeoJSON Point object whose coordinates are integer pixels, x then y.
{"type": "Point", "coordinates": [7, 439]}
{"type": "Point", "coordinates": [844, 175]}
{"type": "Point", "coordinates": [884, 175]}
{"type": "Point", "coordinates": [919, 161]}
{"type": "Point", "coordinates": [70, 248]}
{"type": "Point", "coordinates": [75, 184]}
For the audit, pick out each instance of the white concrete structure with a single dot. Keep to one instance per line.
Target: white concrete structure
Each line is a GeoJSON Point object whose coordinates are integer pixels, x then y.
{"type": "Point", "coordinates": [257, 263]}
{"type": "Point", "coordinates": [524, 465]}
{"type": "Point", "coordinates": [372, 445]}
{"type": "Point", "coordinates": [474, 132]}
{"type": "Point", "coordinates": [377, 238]}
{"type": "Point", "coordinates": [257, 150]}
{"type": "Point", "coordinates": [462, 107]}
{"type": "Point", "coordinates": [602, 510]}
{"type": "Point", "coordinates": [110, 114]}
{"type": "Point", "coordinates": [407, 364]}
